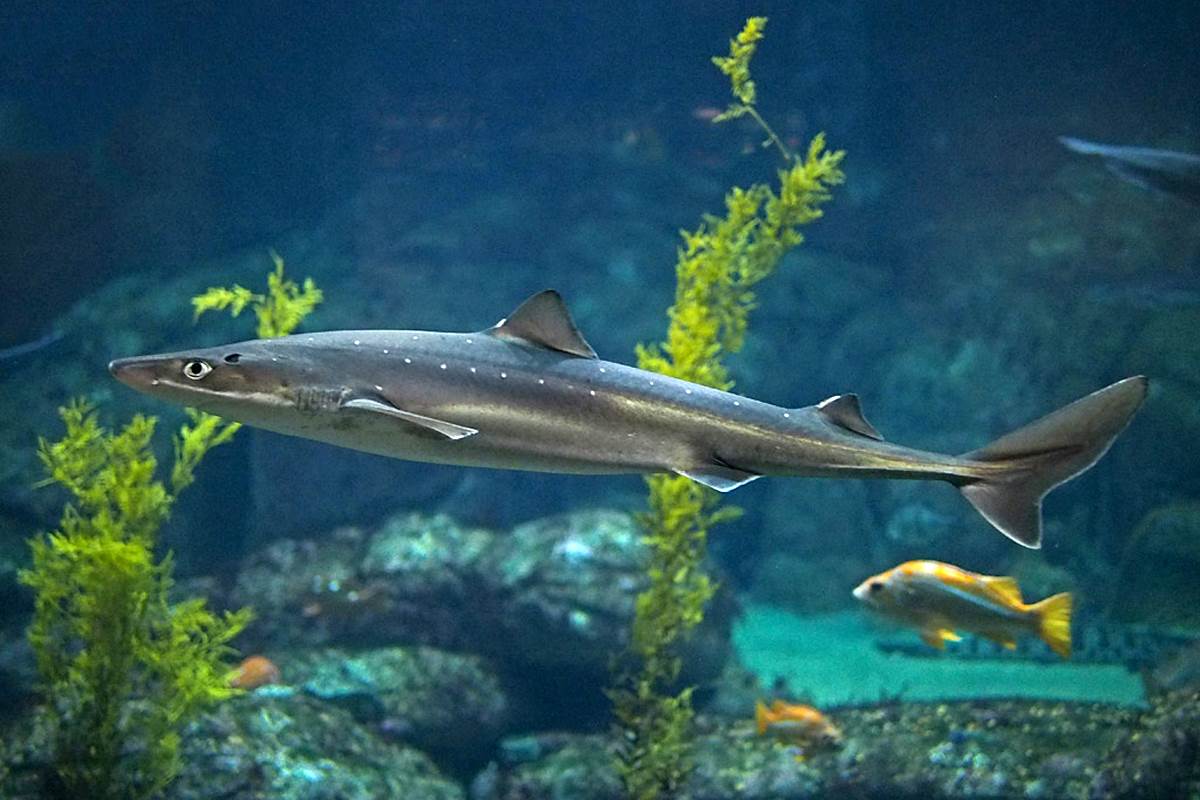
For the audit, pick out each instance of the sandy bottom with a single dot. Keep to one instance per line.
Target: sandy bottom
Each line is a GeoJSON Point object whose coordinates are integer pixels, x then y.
{"type": "Point", "coordinates": [832, 660]}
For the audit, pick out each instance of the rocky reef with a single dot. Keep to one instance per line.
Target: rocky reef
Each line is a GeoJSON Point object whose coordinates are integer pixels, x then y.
{"type": "Point", "coordinates": [423, 658]}
{"type": "Point", "coordinates": [1008, 749]}
{"type": "Point", "coordinates": [272, 744]}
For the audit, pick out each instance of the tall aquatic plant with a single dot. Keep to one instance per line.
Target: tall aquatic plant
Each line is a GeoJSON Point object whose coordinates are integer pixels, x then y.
{"type": "Point", "coordinates": [122, 668]}
{"type": "Point", "coordinates": [718, 266]}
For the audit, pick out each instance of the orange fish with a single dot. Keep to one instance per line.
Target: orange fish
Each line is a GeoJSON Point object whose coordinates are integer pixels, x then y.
{"type": "Point", "coordinates": [254, 672]}
{"type": "Point", "coordinates": [795, 721]}
{"type": "Point", "coordinates": [937, 599]}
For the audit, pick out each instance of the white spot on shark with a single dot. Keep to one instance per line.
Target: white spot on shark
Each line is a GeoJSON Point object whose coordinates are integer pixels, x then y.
{"type": "Point", "coordinates": [503, 374]}
{"type": "Point", "coordinates": [470, 341]}
{"type": "Point", "coordinates": [787, 415]}
{"type": "Point", "coordinates": [441, 366]}
{"type": "Point", "coordinates": [737, 402]}
{"type": "Point", "coordinates": [378, 388]}
{"type": "Point", "coordinates": [415, 337]}
{"type": "Point", "coordinates": [592, 392]}
{"type": "Point", "coordinates": [687, 391]}
{"type": "Point", "coordinates": [385, 351]}
{"type": "Point", "coordinates": [473, 370]}
{"type": "Point", "coordinates": [357, 342]}
{"type": "Point", "coordinates": [407, 360]}
{"type": "Point", "coordinates": [542, 380]}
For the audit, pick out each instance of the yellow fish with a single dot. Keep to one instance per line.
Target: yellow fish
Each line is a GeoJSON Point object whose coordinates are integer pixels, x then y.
{"type": "Point", "coordinates": [795, 721]}
{"type": "Point", "coordinates": [937, 599]}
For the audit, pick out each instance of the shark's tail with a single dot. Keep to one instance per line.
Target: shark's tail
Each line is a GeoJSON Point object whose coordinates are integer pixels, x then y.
{"type": "Point", "coordinates": [1052, 450]}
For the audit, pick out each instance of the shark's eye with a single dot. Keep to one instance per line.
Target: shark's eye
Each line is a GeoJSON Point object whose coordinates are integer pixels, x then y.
{"type": "Point", "coordinates": [233, 358]}
{"type": "Point", "coordinates": [874, 586]}
{"type": "Point", "coordinates": [196, 369]}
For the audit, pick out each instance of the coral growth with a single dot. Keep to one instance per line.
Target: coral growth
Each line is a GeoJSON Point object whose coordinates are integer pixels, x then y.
{"type": "Point", "coordinates": [718, 266]}
{"type": "Point", "coordinates": [122, 668]}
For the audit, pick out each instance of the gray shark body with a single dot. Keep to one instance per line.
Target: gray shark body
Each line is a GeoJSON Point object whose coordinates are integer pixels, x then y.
{"type": "Point", "coordinates": [529, 393]}
{"type": "Point", "coordinates": [1167, 171]}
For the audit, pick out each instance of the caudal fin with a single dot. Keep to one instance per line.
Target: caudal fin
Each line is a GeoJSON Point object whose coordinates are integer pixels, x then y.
{"type": "Point", "coordinates": [1052, 450]}
{"type": "Point", "coordinates": [1054, 622]}
{"type": "Point", "coordinates": [762, 717]}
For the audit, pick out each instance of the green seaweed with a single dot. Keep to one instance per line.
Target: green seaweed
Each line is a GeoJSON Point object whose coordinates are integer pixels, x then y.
{"type": "Point", "coordinates": [279, 311]}
{"type": "Point", "coordinates": [121, 667]}
{"type": "Point", "coordinates": [718, 266]}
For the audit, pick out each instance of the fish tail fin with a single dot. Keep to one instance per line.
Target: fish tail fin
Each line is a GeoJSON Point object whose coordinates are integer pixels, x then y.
{"type": "Point", "coordinates": [1054, 622]}
{"type": "Point", "coordinates": [1081, 146]}
{"type": "Point", "coordinates": [762, 717]}
{"type": "Point", "coordinates": [1045, 453]}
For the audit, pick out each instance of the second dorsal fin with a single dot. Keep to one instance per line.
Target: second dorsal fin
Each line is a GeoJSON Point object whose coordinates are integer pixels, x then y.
{"type": "Point", "coordinates": [844, 411]}
{"type": "Point", "coordinates": [543, 320]}
{"type": "Point", "coordinates": [1005, 586]}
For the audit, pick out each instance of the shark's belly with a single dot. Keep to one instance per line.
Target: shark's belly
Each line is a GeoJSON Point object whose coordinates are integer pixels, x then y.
{"type": "Point", "coordinates": [531, 441]}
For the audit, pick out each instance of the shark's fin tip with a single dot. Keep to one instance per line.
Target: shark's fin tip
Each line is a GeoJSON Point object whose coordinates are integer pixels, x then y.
{"type": "Point", "coordinates": [450, 430]}
{"type": "Point", "coordinates": [543, 320]}
{"type": "Point", "coordinates": [844, 411]}
{"type": "Point", "coordinates": [721, 477]}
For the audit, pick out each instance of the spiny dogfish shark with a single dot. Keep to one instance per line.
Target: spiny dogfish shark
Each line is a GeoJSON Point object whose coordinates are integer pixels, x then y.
{"type": "Point", "coordinates": [529, 393]}
{"type": "Point", "coordinates": [1167, 171]}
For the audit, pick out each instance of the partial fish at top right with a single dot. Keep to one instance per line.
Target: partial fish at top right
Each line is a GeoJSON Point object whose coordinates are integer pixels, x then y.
{"type": "Point", "coordinates": [1167, 171]}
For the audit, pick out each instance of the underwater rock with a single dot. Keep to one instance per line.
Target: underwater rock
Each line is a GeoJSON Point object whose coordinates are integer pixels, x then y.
{"type": "Point", "coordinates": [936, 751]}
{"type": "Point", "coordinates": [427, 575]}
{"type": "Point", "coordinates": [296, 747]}
{"type": "Point", "coordinates": [447, 704]}
{"type": "Point", "coordinates": [303, 592]}
{"type": "Point", "coordinates": [413, 580]}
{"type": "Point", "coordinates": [1160, 758]}
{"type": "Point", "coordinates": [575, 766]}
{"type": "Point", "coordinates": [567, 585]}
{"type": "Point", "coordinates": [565, 588]}
{"type": "Point", "coordinates": [280, 745]}
{"type": "Point", "coordinates": [553, 593]}
{"type": "Point", "coordinates": [1169, 536]}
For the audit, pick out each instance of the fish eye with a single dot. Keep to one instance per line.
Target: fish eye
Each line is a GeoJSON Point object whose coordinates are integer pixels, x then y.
{"type": "Point", "coordinates": [196, 369]}
{"type": "Point", "coordinates": [874, 587]}
{"type": "Point", "coordinates": [233, 358]}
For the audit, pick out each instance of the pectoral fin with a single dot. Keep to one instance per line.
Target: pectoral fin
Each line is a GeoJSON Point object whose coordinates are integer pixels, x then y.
{"type": "Point", "coordinates": [721, 477]}
{"type": "Point", "coordinates": [448, 429]}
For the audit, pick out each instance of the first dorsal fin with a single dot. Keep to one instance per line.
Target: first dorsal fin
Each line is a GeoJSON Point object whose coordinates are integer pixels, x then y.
{"type": "Point", "coordinates": [844, 411]}
{"type": "Point", "coordinates": [543, 320]}
{"type": "Point", "coordinates": [1005, 586]}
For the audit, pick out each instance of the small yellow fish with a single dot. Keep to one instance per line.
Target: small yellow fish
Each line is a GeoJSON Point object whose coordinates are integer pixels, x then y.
{"type": "Point", "coordinates": [254, 672]}
{"type": "Point", "coordinates": [804, 724]}
{"type": "Point", "coordinates": [937, 599]}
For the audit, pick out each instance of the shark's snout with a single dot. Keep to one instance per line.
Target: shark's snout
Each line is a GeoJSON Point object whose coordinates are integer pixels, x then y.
{"type": "Point", "coordinates": [135, 372]}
